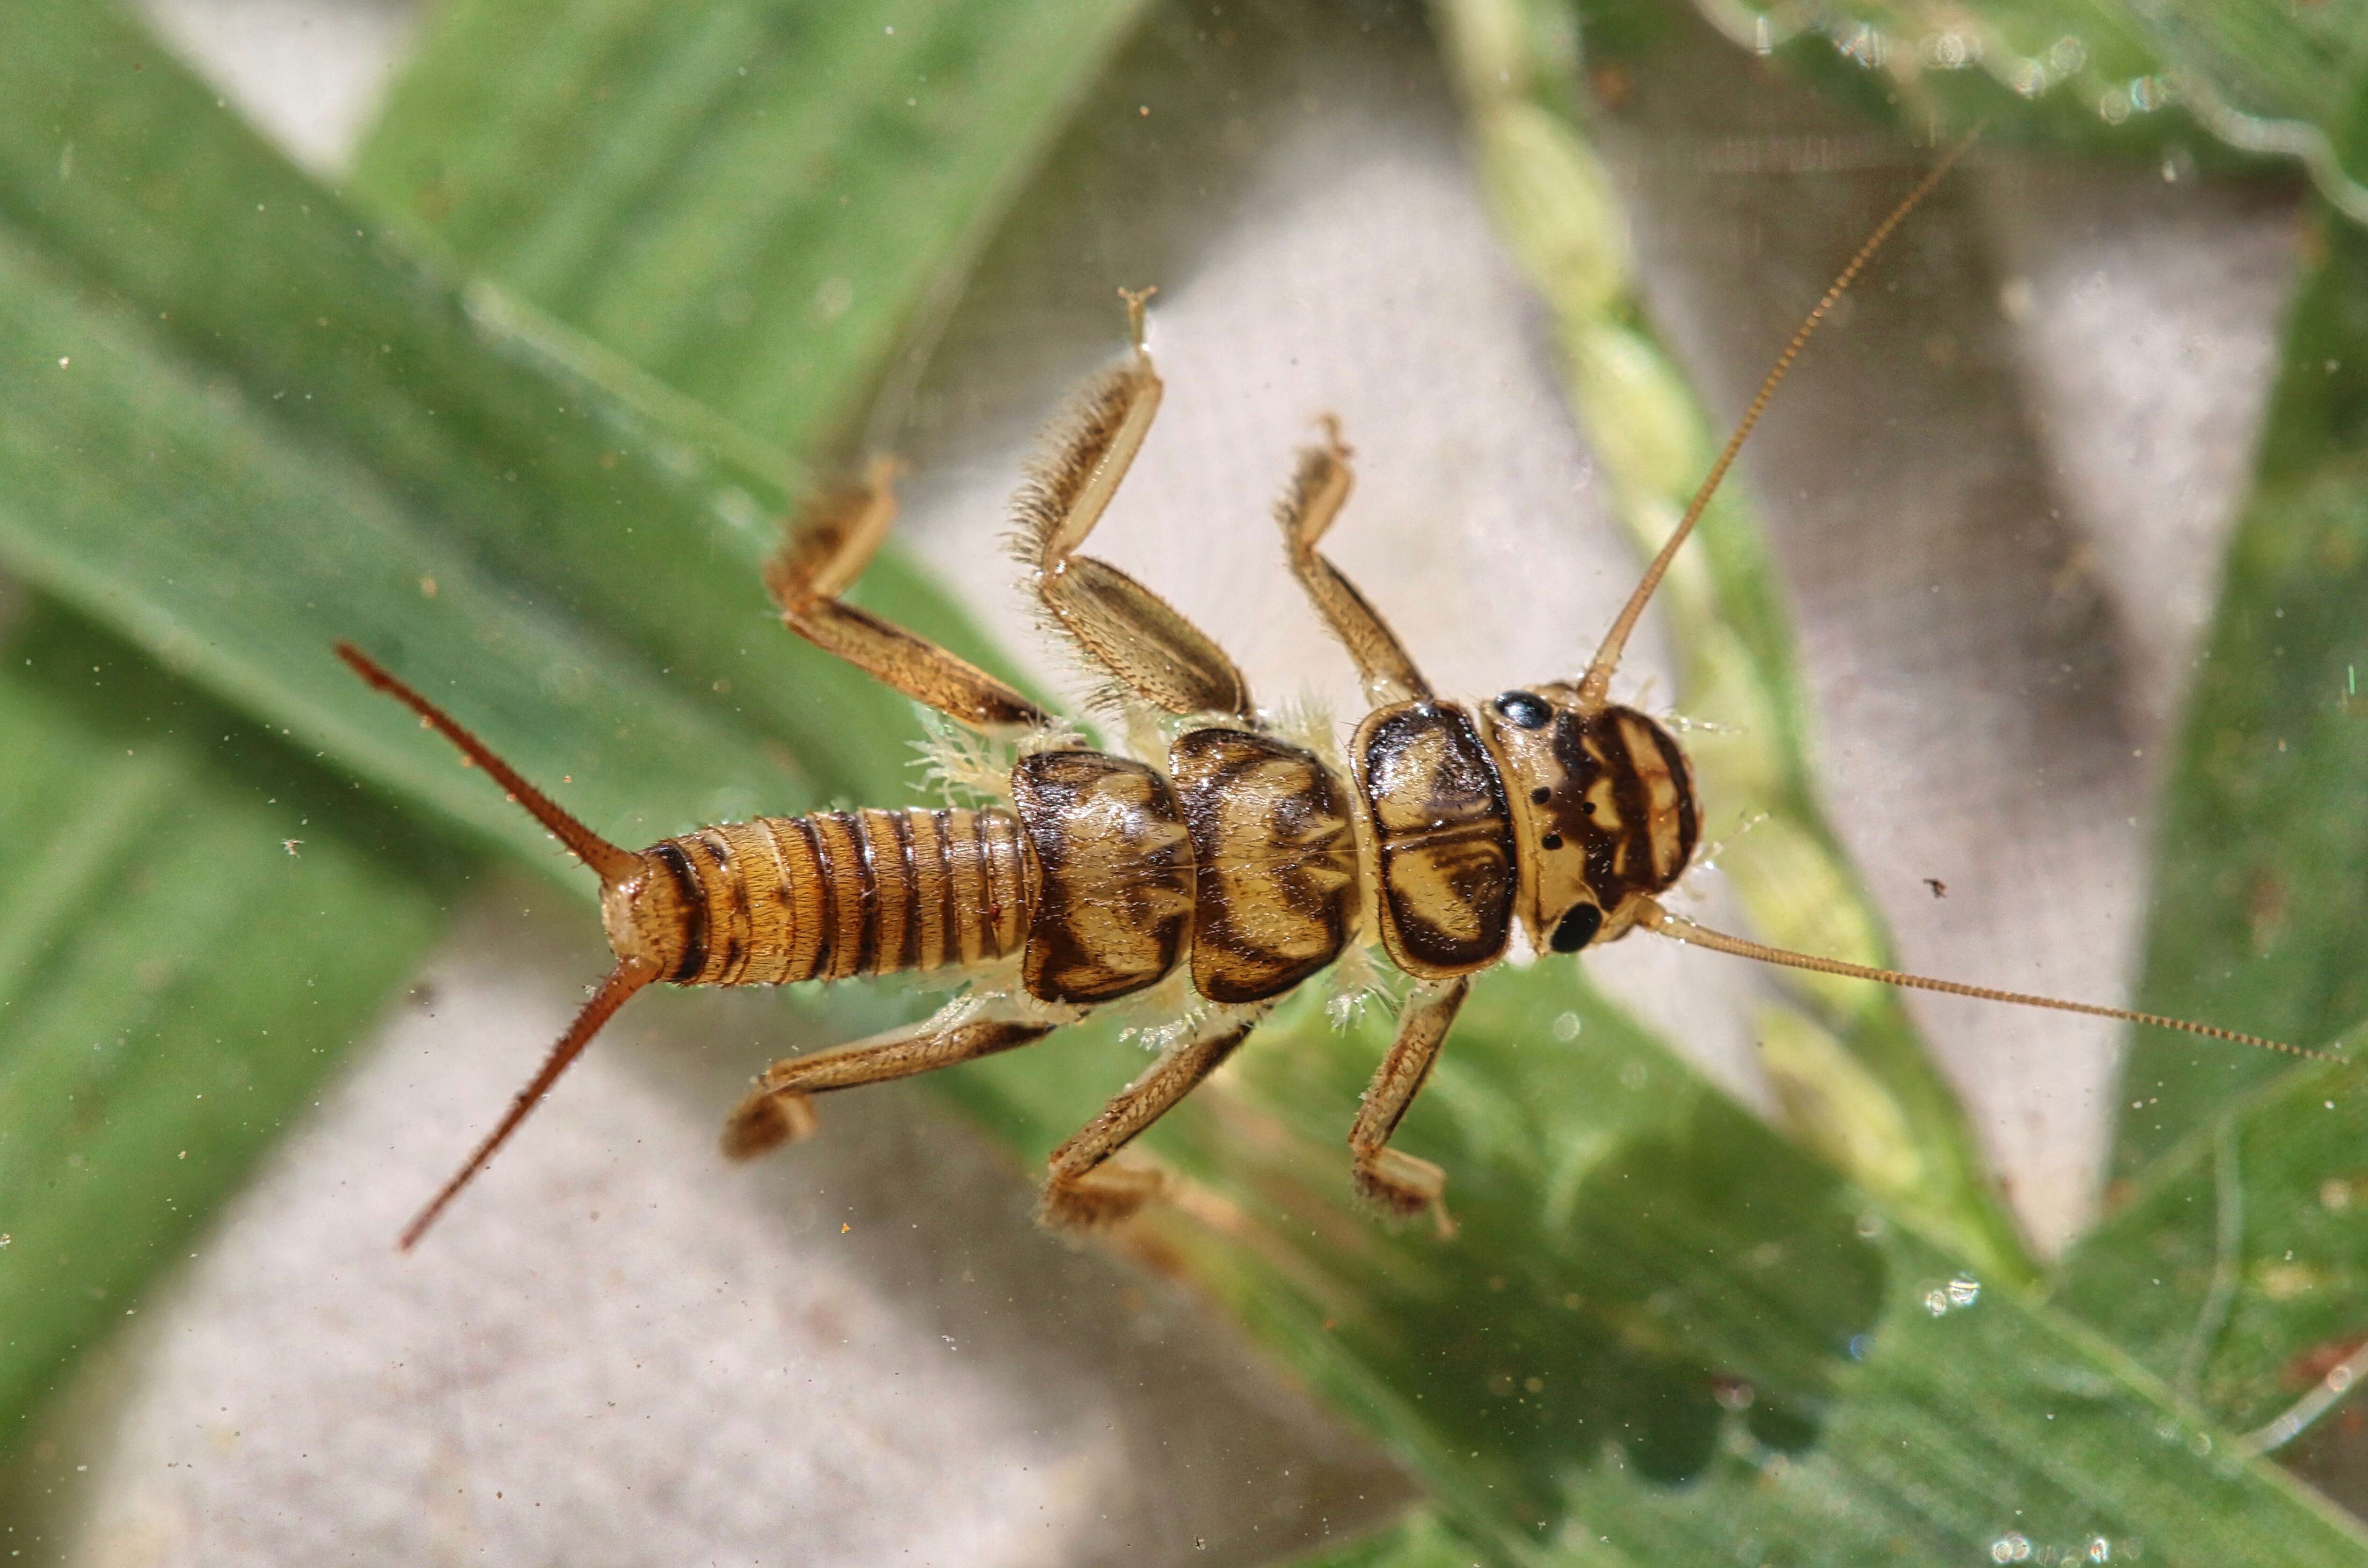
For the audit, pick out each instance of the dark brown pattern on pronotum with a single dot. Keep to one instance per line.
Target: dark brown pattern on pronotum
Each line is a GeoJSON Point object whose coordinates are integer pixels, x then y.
{"type": "Point", "coordinates": [1237, 862]}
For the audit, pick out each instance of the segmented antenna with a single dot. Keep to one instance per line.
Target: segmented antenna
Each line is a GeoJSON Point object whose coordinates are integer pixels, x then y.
{"type": "Point", "coordinates": [1596, 686]}
{"type": "Point", "coordinates": [1678, 928]}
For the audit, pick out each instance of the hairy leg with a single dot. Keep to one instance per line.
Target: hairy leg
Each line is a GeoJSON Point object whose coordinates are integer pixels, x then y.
{"type": "Point", "coordinates": [1318, 491]}
{"type": "Point", "coordinates": [1397, 1181]}
{"type": "Point", "coordinates": [828, 548]}
{"type": "Point", "coordinates": [1084, 1191]}
{"type": "Point", "coordinates": [780, 1109]}
{"type": "Point", "coordinates": [1152, 654]}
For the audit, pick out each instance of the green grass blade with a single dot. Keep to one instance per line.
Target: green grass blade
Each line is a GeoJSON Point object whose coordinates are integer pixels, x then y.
{"type": "Point", "coordinates": [1423, 1540]}
{"type": "Point", "coordinates": [1660, 1333]}
{"type": "Point", "coordinates": [2263, 850]}
{"type": "Point", "coordinates": [514, 454]}
{"type": "Point", "coordinates": [2213, 81]}
{"type": "Point", "coordinates": [196, 925]}
{"type": "Point", "coordinates": [737, 196]}
{"type": "Point", "coordinates": [2235, 1272]}
{"type": "Point", "coordinates": [2229, 1265]}
{"type": "Point", "coordinates": [239, 550]}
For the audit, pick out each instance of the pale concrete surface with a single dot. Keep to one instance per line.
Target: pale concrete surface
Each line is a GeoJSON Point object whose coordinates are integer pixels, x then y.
{"type": "Point", "coordinates": [1997, 490]}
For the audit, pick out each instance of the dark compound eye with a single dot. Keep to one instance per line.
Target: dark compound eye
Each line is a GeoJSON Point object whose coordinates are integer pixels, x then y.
{"type": "Point", "coordinates": [1526, 709]}
{"type": "Point", "coordinates": [1576, 928]}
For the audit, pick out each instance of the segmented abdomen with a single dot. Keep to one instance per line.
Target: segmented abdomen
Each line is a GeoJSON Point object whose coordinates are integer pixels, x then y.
{"type": "Point", "coordinates": [841, 893]}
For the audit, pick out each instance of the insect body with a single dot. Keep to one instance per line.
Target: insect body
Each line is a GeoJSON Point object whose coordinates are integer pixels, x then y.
{"type": "Point", "coordinates": [1238, 861]}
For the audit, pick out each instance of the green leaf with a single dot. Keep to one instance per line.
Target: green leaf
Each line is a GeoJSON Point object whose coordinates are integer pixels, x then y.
{"type": "Point", "coordinates": [2230, 1267]}
{"type": "Point", "coordinates": [2225, 81]}
{"type": "Point", "coordinates": [182, 508]}
{"type": "Point", "coordinates": [2236, 1274]}
{"type": "Point", "coordinates": [1661, 1333]}
{"type": "Point", "coordinates": [2263, 852]}
{"type": "Point", "coordinates": [756, 203]}
{"type": "Point", "coordinates": [1422, 1541]}
{"type": "Point", "coordinates": [742, 197]}
{"type": "Point", "coordinates": [238, 424]}
{"type": "Point", "coordinates": [382, 429]}
{"type": "Point", "coordinates": [197, 924]}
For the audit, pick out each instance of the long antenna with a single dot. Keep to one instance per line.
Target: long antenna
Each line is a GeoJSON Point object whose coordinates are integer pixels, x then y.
{"type": "Point", "coordinates": [626, 979]}
{"type": "Point", "coordinates": [1596, 686]}
{"type": "Point", "coordinates": [613, 864]}
{"type": "Point", "coordinates": [1678, 928]}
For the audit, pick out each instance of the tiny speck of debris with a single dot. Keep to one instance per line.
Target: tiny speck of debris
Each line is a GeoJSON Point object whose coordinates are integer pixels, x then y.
{"type": "Point", "coordinates": [1940, 889]}
{"type": "Point", "coordinates": [292, 846]}
{"type": "Point", "coordinates": [843, 1229]}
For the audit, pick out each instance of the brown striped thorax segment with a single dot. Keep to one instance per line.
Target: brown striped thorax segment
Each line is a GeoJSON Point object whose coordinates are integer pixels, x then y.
{"type": "Point", "coordinates": [1443, 842]}
{"type": "Point", "coordinates": [1114, 908]}
{"type": "Point", "coordinates": [827, 896]}
{"type": "Point", "coordinates": [1603, 806]}
{"type": "Point", "coordinates": [1275, 859]}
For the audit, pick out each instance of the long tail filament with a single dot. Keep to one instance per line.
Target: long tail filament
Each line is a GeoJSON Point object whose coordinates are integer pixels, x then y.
{"type": "Point", "coordinates": [621, 983]}
{"type": "Point", "coordinates": [613, 864]}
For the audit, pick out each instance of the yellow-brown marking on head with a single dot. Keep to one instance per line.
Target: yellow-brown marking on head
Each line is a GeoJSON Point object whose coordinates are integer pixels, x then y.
{"type": "Point", "coordinates": [1604, 812]}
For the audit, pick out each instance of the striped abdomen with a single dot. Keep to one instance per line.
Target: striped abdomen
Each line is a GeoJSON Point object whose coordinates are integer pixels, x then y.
{"type": "Point", "coordinates": [842, 893]}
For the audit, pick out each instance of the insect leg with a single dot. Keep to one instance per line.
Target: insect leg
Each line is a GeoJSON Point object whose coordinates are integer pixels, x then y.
{"type": "Point", "coordinates": [831, 542]}
{"type": "Point", "coordinates": [780, 1109]}
{"type": "Point", "coordinates": [1085, 1192]}
{"type": "Point", "coordinates": [1317, 493]}
{"type": "Point", "coordinates": [1398, 1181]}
{"type": "Point", "coordinates": [1150, 650]}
